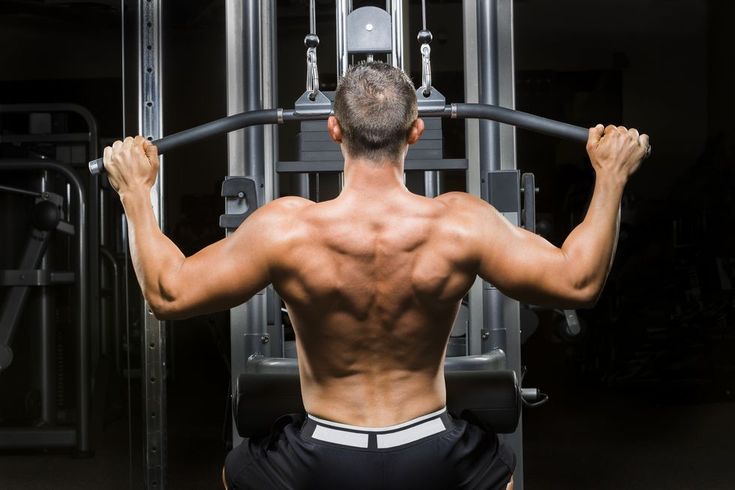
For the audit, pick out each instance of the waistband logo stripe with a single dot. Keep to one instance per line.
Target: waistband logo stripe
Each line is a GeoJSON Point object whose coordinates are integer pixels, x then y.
{"type": "Point", "coordinates": [412, 434]}
{"type": "Point", "coordinates": [383, 440]}
{"type": "Point", "coordinates": [343, 437]}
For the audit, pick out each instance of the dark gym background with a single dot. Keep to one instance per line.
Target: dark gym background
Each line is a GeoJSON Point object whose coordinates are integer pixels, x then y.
{"type": "Point", "coordinates": [642, 399]}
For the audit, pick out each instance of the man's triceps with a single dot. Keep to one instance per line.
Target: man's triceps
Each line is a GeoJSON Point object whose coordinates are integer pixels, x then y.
{"type": "Point", "coordinates": [527, 267]}
{"type": "Point", "coordinates": [220, 276]}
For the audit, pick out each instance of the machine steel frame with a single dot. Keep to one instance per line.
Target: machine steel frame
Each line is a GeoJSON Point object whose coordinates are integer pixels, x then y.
{"type": "Point", "coordinates": [490, 46]}
{"type": "Point", "coordinates": [153, 348]}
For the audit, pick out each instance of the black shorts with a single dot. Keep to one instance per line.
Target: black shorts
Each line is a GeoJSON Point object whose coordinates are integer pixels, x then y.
{"type": "Point", "coordinates": [436, 451]}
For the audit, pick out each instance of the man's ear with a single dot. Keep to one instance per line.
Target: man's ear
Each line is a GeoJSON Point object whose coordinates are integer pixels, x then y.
{"type": "Point", "coordinates": [416, 130]}
{"type": "Point", "coordinates": [334, 129]}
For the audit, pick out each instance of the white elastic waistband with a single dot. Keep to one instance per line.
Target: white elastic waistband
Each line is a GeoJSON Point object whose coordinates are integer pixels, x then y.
{"type": "Point", "coordinates": [378, 429]}
{"type": "Point", "coordinates": [383, 437]}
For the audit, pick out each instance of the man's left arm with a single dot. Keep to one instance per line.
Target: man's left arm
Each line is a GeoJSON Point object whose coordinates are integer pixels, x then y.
{"type": "Point", "coordinates": [222, 275]}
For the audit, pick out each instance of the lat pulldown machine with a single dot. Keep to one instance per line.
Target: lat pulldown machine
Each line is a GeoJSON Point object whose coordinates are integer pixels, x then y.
{"type": "Point", "coordinates": [483, 367]}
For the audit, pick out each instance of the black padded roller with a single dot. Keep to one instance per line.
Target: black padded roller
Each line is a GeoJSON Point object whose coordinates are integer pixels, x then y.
{"type": "Point", "coordinates": [490, 398]}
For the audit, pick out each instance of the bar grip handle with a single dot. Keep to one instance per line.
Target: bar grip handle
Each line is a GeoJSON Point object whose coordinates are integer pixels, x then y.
{"type": "Point", "coordinates": [523, 120]}
{"type": "Point", "coordinates": [219, 126]}
{"type": "Point", "coordinates": [96, 166]}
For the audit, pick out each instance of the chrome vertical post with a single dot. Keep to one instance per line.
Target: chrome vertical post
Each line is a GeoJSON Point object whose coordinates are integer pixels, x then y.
{"type": "Point", "coordinates": [396, 14]}
{"type": "Point", "coordinates": [150, 125]}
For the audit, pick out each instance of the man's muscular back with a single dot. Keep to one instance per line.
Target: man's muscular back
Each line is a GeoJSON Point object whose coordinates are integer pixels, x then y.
{"type": "Point", "coordinates": [372, 288]}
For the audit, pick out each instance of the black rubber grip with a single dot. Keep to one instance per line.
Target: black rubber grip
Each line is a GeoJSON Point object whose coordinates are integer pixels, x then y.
{"type": "Point", "coordinates": [525, 120]}
{"type": "Point", "coordinates": [219, 126]}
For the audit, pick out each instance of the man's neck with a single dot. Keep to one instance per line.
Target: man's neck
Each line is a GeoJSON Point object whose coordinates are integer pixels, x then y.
{"type": "Point", "coordinates": [367, 177]}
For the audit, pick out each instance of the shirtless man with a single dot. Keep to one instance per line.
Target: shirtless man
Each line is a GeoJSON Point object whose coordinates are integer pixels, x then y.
{"type": "Point", "coordinates": [373, 280]}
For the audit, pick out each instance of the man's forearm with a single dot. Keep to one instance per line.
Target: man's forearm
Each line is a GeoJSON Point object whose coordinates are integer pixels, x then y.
{"type": "Point", "coordinates": [155, 257]}
{"type": "Point", "coordinates": [590, 247]}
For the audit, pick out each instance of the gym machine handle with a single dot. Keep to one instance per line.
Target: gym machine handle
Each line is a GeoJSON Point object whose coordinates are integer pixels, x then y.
{"type": "Point", "coordinates": [277, 116]}
{"type": "Point", "coordinates": [520, 119]}
{"type": "Point", "coordinates": [523, 120]}
{"type": "Point", "coordinates": [219, 126]}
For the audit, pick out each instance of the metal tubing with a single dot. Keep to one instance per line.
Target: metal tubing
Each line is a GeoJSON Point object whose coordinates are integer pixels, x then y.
{"type": "Point", "coordinates": [473, 178]}
{"type": "Point", "coordinates": [253, 85]}
{"type": "Point", "coordinates": [312, 16]}
{"type": "Point", "coordinates": [396, 16]}
{"type": "Point", "coordinates": [234, 22]}
{"type": "Point", "coordinates": [81, 292]}
{"type": "Point", "coordinates": [250, 67]}
{"type": "Point", "coordinates": [153, 338]}
{"type": "Point", "coordinates": [47, 341]}
{"type": "Point", "coordinates": [341, 11]}
{"type": "Point", "coordinates": [501, 324]}
{"type": "Point", "coordinates": [116, 311]}
{"type": "Point", "coordinates": [269, 72]}
{"type": "Point", "coordinates": [23, 192]}
{"type": "Point", "coordinates": [488, 84]}
{"type": "Point", "coordinates": [431, 183]}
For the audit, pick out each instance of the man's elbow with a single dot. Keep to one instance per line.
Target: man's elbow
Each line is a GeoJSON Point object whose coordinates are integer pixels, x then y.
{"type": "Point", "coordinates": [162, 309]}
{"type": "Point", "coordinates": [165, 299]}
{"type": "Point", "coordinates": [583, 296]}
{"type": "Point", "coordinates": [165, 306]}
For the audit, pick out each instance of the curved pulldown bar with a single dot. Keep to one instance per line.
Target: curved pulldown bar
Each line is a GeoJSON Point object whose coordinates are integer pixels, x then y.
{"type": "Point", "coordinates": [278, 116]}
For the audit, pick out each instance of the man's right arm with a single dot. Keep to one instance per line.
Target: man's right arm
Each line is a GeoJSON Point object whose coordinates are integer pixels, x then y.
{"type": "Point", "coordinates": [527, 267]}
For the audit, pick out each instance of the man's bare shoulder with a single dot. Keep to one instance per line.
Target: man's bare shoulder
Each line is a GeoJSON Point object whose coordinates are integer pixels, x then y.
{"type": "Point", "coordinates": [469, 219]}
{"type": "Point", "coordinates": [288, 204]}
{"type": "Point", "coordinates": [282, 209]}
{"type": "Point", "coordinates": [272, 221]}
{"type": "Point", "coordinates": [457, 198]}
{"type": "Point", "coordinates": [461, 205]}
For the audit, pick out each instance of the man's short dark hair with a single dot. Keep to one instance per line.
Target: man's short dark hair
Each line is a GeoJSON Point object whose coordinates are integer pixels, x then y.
{"type": "Point", "coordinates": [375, 105]}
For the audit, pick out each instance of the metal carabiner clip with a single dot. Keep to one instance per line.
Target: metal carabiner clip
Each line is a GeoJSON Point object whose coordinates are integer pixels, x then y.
{"type": "Point", "coordinates": [426, 69]}
{"type": "Point", "coordinates": [312, 71]}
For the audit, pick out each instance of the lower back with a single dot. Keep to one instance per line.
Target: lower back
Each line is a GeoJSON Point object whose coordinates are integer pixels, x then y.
{"type": "Point", "coordinates": [372, 373]}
